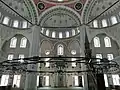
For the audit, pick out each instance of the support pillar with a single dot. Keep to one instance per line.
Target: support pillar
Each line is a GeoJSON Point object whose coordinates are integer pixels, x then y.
{"type": "Point", "coordinates": [31, 78]}
{"type": "Point", "coordinates": [83, 66]}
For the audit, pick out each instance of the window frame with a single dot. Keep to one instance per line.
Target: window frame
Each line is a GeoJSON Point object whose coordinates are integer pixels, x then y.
{"type": "Point", "coordinates": [13, 42]}
{"type": "Point", "coordinates": [116, 79]}
{"type": "Point", "coordinates": [16, 80]}
{"type": "Point", "coordinates": [23, 42]}
{"type": "Point", "coordinates": [95, 23]}
{"type": "Point", "coordinates": [104, 23]}
{"type": "Point", "coordinates": [24, 24]}
{"type": "Point", "coordinates": [60, 49]}
{"type": "Point", "coordinates": [96, 41]}
{"type": "Point", "coordinates": [6, 20]}
{"type": "Point", "coordinates": [110, 56]}
{"type": "Point", "coordinates": [16, 23]}
{"type": "Point", "coordinates": [107, 42]}
{"type": "Point", "coordinates": [10, 56]}
{"type": "Point", "coordinates": [6, 79]}
{"type": "Point", "coordinates": [114, 20]}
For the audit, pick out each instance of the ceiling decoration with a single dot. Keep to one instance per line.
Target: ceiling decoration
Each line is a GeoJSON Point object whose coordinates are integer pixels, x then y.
{"type": "Point", "coordinates": [101, 5]}
{"type": "Point", "coordinates": [17, 6]}
{"type": "Point", "coordinates": [102, 9]}
{"type": "Point", "coordinates": [20, 10]}
{"type": "Point", "coordinates": [76, 5]}
{"type": "Point", "coordinates": [86, 10]}
{"type": "Point", "coordinates": [41, 6]}
{"type": "Point", "coordinates": [60, 22]}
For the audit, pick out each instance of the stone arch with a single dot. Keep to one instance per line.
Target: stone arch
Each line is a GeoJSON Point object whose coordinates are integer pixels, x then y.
{"type": "Point", "coordinates": [113, 49]}
{"type": "Point", "coordinates": [64, 48]}
{"type": "Point", "coordinates": [76, 48]}
{"type": "Point", "coordinates": [87, 10]}
{"type": "Point", "coordinates": [33, 12]}
{"type": "Point", "coordinates": [104, 32]}
{"type": "Point", "coordinates": [56, 9]}
{"type": "Point", "coordinates": [12, 35]}
{"type": "Point", "coordinates": [45, 45]}
{"type": "Point", "coordinates": [17, 50]}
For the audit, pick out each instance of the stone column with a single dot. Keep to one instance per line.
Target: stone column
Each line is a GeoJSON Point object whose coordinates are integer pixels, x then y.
{"type": "Point", "coordinates": [31, 78]}
{"type": "Point", "coordinates": [83, 66]}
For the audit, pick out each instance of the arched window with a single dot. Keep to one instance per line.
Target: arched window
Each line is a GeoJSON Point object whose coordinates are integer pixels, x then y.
{"type": "Point", "coordinates": [24, 25]}
{"type": "Point", "coordinates": [47, 32]}
{"type": "Point", "coordinates": [114, 20]}
{"type": "Point", "coordinates": [23, 42]}
{"type": "Point", "coordinates": [95, 23]}
{"type": "Point", "coordinates": [13, 42]}
{"type": "Point", "coordinates": [104, 23]}
{"type": "Point", "coordinates": [4, 80]}
{"type": "Point", "coordinates": [60, 49]}
{"type": "Point", "coordinates": [67, 34]}
{"type": "Point", "coordinates": [53, 34]}
{"type": "Point", "coordinates": [96, 42]}
{"type": "Point", "coordinates": [60, 35]}
{"type": "Point", "coordinates": [16, 80]}
{"type": "Point", "coordinates": [73, 32]}
{"type": "Point", "coordinates": [15, 23]}
{"type": "Point", "coordinates": [6, 20]}
{"type": "Point", "coordinates": [107, 42]}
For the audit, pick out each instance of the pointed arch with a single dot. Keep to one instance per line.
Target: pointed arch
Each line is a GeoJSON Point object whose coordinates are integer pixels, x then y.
{"type": "Point", "coordinates": [23, 42]}
{"type": "Point", "coordinates": [60, 49]}
{"type": "Point", "coordinates": [13, 42]}
{"type": "Point", "coordinates": [96, 42]}
{"type": "Point", "coordinates": [107, 42]}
